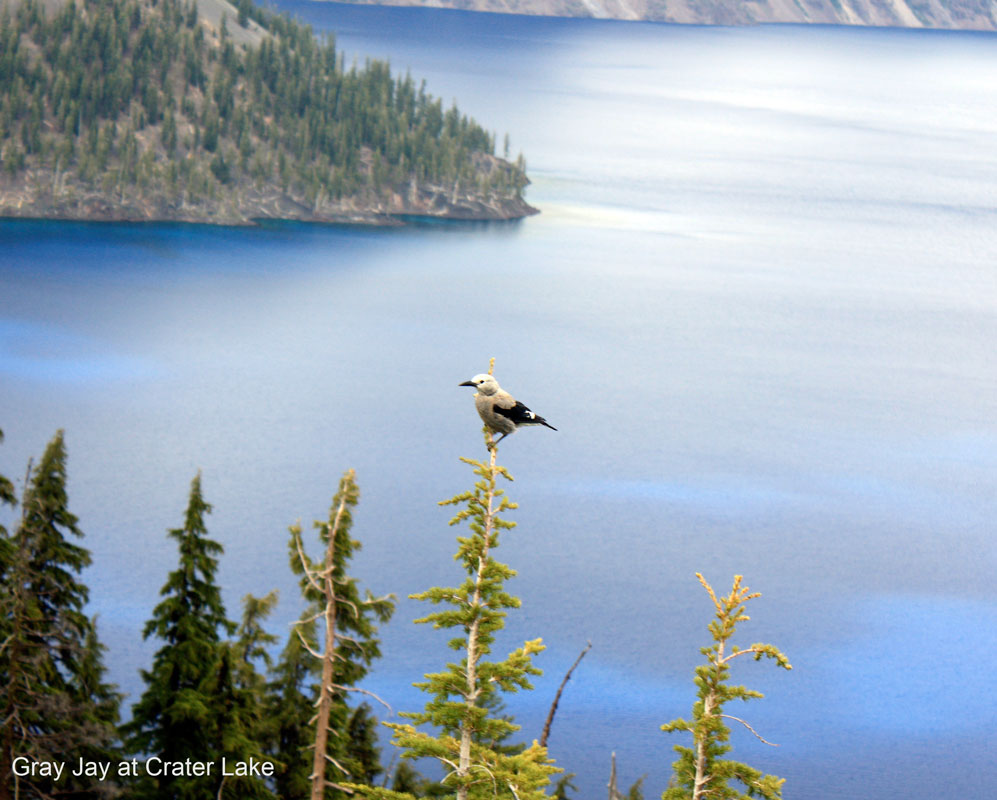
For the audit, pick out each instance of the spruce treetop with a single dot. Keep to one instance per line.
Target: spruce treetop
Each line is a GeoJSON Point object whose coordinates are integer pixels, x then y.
{"type": "Point", "coordinates": [462, 698]}
{"type": "Point", "coordinates": [339, 631]}
{"type": "Point", "coordinates": [700, 772]}
{"type": "Point", "coordinates": [46, 518]}
{"type": "Point", "coordinates": [192, 609]}
{"type": "Point", "coordinates": [7, 496]}
{"type": "Point", "coordinates": [184, 710]}
{"type": "Point", "coordinates": [54, 702]}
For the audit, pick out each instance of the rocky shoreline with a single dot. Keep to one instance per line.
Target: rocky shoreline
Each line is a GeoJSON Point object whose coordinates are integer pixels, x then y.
{"type": "Point", "coordinates": [40, 194]}
{"type": "Point", "coordinates": [941, 14]}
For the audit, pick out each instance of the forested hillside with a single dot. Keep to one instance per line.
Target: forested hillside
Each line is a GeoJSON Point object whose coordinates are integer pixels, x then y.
{"type": "Point", "coordinates": [176, 109]}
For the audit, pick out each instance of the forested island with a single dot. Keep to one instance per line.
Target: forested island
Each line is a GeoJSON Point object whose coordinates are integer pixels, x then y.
{"type": "Point", "coordinates": [202, 111]}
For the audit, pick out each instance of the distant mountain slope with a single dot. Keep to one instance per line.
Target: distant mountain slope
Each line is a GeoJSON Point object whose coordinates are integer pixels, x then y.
{"type": "Point", "coordinates": [210, 111]}
{"type": "Point", "coordinates": [954, 14]}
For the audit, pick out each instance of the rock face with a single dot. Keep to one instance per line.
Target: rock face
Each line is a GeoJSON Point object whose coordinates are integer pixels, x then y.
{"type": "Point", "coordinates": [41, 194]}
{"type": "Point", "coordinates": [951, 14]}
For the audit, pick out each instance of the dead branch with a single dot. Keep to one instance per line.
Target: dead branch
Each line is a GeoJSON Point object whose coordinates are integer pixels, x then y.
{"type": "Point", "coordinates": [557, 697]}
{"type": "Point", "coordinates": [336, 764]}
{"type": "Point", "coordinates": [614, 792]}
{"type": "Point", "coordinates": [307, 646]}
{"type": "Point", "coordinates": [746, 725]}
{"type": "Point", "coordinates": [365, 692]}
{"type": "Point", "coordinates": [304, 562]}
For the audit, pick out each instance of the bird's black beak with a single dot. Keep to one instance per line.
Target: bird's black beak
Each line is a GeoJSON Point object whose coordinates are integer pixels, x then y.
{"type": "Point", "coordinates": [466, 383]}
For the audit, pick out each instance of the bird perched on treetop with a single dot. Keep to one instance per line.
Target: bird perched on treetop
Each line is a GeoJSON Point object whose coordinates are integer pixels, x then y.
{"type": "Point", "coordinates": [499, 410]}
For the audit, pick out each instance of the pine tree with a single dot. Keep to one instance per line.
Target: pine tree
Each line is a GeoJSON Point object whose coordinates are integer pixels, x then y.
{"type": "Point", "coordinates": [349, 641]}
{"type": "Point", "coordinates": [177, 717]}
{"type": "Point", "coordinates": [460, 697]}
{"type": "Point", "coordinates": [700, 772]}
{"type": "Point", "coordinates": [54, 702]}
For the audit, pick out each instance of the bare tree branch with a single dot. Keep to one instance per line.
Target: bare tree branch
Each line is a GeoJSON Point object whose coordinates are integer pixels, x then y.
{"type": "Point", "coordinates": [306, 620]}
{"type": "Point", "coordinates": [746, 725]}
{"type": "Point", "coordinates": [557, 697]}
{"type": "Point", "coordinates": [336, 764]}
{"type": "Point", "coordinates": [307, 646]}
{"type": "Point", "coordinates": [365, 692]}
{"type": "Point", "coordinates": [304, 562]}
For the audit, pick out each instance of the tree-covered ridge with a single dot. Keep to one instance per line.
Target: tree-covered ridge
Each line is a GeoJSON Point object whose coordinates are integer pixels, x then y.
{"type": "Point", "coordinates": [146, 109]}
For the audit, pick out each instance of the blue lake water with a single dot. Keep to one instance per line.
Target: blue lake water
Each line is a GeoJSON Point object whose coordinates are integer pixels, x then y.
{"type": "Point", "coordinates": [760, 305]}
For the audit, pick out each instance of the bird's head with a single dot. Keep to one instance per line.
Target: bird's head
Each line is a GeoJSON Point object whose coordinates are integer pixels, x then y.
{"type": "Point", "coordinates": [485, 384]}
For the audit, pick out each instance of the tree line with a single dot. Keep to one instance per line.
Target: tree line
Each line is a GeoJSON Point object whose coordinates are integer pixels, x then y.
{"type": "Point", "coordinates": [290, 720]}
{"type": "Point", "coordinates": [129, 95]}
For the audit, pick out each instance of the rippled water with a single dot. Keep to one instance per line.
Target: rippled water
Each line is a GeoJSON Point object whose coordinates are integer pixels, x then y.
{"type": "Point", "coordinates": [760, 305]}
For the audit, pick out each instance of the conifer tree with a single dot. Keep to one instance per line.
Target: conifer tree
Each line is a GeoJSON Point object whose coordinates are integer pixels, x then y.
{"type": "Point", "coordinates": [348, 642]}
{"type": "Point", "coordinates": [564, 785]}
{"type": "Point", "coordinates": [700, 772]}
{"type": "Point", "coordinates": [54, 703]}
{"type": "Point", "coordinates": [7, 498]}
{"type": "Point", "coordinates": [239, 695]}
{"type": "Point", "coordinates": [252, 640]}
{"type": "Point", "coordinates": [363, 753]}
{"type": "Point", "coordinates": [290, 704]}
{"type": "Point", "coordinates": [178, 717]}
{"type": "Point", "coordinates": [460, 696]}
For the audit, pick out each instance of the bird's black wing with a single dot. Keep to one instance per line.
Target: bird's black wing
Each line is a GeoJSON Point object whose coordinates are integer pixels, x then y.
{"type": "Point", "coordinates": [521, 415]}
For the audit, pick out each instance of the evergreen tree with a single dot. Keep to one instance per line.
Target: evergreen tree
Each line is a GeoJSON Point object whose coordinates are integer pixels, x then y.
{"type": "Point", "coordinates": [564, 785]}
{"type": "Point", "coordinates": [636, 790]}
{"type": "Point", "coordinates": [363, 755]}
{"type": "Point", "coordinates": [348, 645]}
{"type": "Point", "coordinates": [7, 498]}
{"type": "Point", "coordinates": [252, 640]}
{"type": "Point", "coordinates": [700, 772]}
{"type": "Point", "coordinates": [461, 696]}
{"type": "Point", "coordinates": [406, 780]}
{"type": "Point", "coordinates": [239, 695]}
{"type": "Point", "coordinates": [290, 703]}
{"type": "Point", "coordinates": [178, 716]}
{"type": "Point", "coordinates": [54, 702]}
{"type": "Point", "coordinates": [237, 727]}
